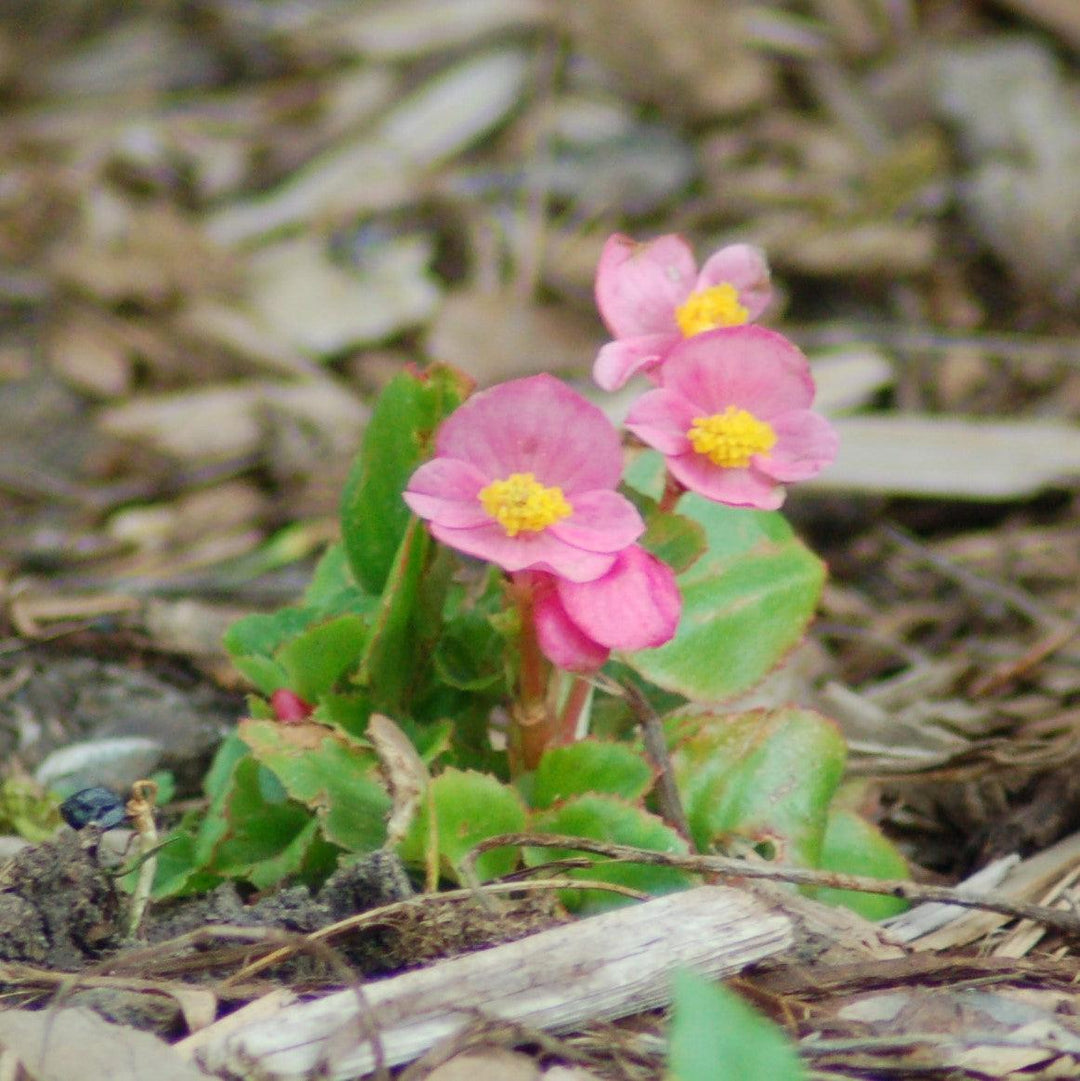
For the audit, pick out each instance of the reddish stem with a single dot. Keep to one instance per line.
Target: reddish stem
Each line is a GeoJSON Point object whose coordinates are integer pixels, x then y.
{"type": "Point", "coordinates": [673, 489]}
{"type": "Point", "coordinates": [532, 669]}
{"type": "Point", "coordinates": [532, 725]}
{"type": "Point", "coordinates": [575, 702]}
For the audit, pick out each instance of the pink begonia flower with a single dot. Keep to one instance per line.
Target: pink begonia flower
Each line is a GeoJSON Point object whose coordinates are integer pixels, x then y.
{"type": "Point", "coordinates": [636, 605]}
{"type": "Point", "coordinates": [733, 417]}
{"type": "Point", "coordinates": [524, 476]}
{"type": "Point", "coordinates": [652, 296]}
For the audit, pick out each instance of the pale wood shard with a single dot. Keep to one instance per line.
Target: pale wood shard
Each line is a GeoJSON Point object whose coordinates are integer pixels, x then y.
{"type": "Point", "coordinates": [601, 968]}
{"type": "Point", "coordinates": [953, 457]}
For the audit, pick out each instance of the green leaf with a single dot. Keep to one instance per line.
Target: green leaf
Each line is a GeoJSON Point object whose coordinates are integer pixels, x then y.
{"type": "Point", "coordinates": [766, 777]}
{"type": "Point", "coordinates": [468, 807]}
{"type": "Point", "coordinates": [331, 580]}
{"type": "Point", "coordinates": [715, 1035]}
{"type": "Point", "coordinates": [471, 653]}
{"type": "Point", "coordinates": [218, 777]}
{"type": "Point", "coordinates": [256, 642]}
{"type": "Point", "coordinates": [253, 640]}
{"type": "Point", "coordinates": [397, 439]}
{"type": "Point", "coordinates": [591, 766]}
{"type": "Point", "coordinates": [331, 773]}
{"type": "Point", "coordinates": [855, 846]}
{"type": "Point", "coordinates": [317, 658]}
{"type": "Point", "coordinates": [391, 663]}
{"type": "Point", "coordinates": [674, 538]}
{"type": "Point", "coordinates": [178, 872]}
{"type": "Point", "coordinates": [746, 603]}
{"type": "Point", "coordinates": [609, 818]}
{"type": "Point", "coordinates": [253, 832]}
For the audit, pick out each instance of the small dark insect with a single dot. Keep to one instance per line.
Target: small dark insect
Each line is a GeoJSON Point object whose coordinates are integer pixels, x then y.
{"type": "Point", "coordinates": [95, 806]}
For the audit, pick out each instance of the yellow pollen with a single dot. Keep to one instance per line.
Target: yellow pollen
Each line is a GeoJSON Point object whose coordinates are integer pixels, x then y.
{"type": "Point", "coordinates": [717, 306]}
{"type": "Point", "coordinates": [730, 439]}
{"type": "Point", "coordinates": [521, 504]}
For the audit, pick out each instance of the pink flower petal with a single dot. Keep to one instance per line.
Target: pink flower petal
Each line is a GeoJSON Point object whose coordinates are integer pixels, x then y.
{"type": "Point", "coordinates": [603, 521]}
{"type": "Point", "coordinates": [446, 491]}
{"type": "Point", "coordinates": [744, 267]}
{"type": "Point", "coordinates": [623, 358]}
{"type": "Point", "coordinates": [748, 366]}
{"type": "Point", "coordinates": [535, 425]}
{"type": "Point", "coordinates": [662, 418]}
{"type": "Point", "coordinates": [806, 443]}
{"type": "Point", "coordinates": [639, 286]}
{"type": "Point", "coordinates": [560, 639]}
{"type": "Point", "coordinates": [735, 487]}
{"type": "Point", "coordinates": [542, 551]}
{"type": "Point", "coordinates": [636, 605]}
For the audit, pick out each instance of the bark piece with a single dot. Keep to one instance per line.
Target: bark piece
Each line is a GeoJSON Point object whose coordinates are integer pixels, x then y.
{"type": "Point", "coordinates": [595, 969]}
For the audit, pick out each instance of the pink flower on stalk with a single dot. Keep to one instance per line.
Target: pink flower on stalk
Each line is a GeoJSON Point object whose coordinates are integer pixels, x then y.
{"type": "Point", "coordinates": [636, 605]}
{"type": "Point", "coordinates": [652, 296]}
{"type": "Point", "coordinates": [733, 417]}
{"type": "Point", "coordinates": [524, 476]}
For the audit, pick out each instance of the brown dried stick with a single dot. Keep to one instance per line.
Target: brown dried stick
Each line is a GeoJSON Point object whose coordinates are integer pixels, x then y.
{"type": "Point", "coordinates": [1065, 922]}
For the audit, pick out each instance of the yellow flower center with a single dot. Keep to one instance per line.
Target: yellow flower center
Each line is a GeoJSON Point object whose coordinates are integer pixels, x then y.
{"type": "Point", "coordinates": [730, 439]}
{"type": "Point", "coordinates": [717, 306]}
{"type": "Point", "coordinates": [521, 504]}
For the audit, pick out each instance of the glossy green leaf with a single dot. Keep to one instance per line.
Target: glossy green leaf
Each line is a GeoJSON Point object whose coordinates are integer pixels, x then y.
{"type": "Point", "coordinates": [468, 807]}
{"type": "Point", "coordinates": [331, 773]}
{"type": "Point", "coordinates": [764, 777]}
{"type": "Point", "coordinates": [714, 1035]}
{"type": "Point", "coordinates": [591, 766]}
{"type": "Point", "coordinates": [857, 847]}
{"type": "Point", "coordinates": [317, 658]}
{"type": "Point", "coordinates": [253, 640]}
{"type": "Point", "coordinates": [178, 872]}
{"type": "Point", "coordinates": [258, 642]}
{"type": "Point", "coordinates": [253, 832]}
{"type": "Point", "coordinates": [331, 580]}
{"type": "Point", "coordinates": [609, 818]}
{"type": "Point", "coordinates": [471, 654]}
{"type": "Point", "coordinates": [391, 663]}
{"type": "Point", "coordinates": [677, 540]}
{"type": "Point", "coordinates": [746, 603]}
{"type": "Point", "coordinates": [397, 439]}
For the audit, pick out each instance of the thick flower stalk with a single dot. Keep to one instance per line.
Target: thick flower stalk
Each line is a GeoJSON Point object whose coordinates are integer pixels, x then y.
{"type": "Point", "coordinates": [636, 605]}
{"type": "Point", "coordinates": [652, 297]}
{"type": "Point", "coordinates": [524, 476]}
{"type": "Point", "coordinates": [733, 418]}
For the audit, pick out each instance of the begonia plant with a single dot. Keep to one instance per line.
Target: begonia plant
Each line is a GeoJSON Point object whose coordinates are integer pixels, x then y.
{"type": "Point", "coordinates": [517, 580]}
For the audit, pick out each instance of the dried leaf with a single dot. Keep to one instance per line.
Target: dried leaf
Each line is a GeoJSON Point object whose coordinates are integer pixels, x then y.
{"type": "Point", "coordinates": [76, 1044]}
{"type": "Point", "coordinates": [405, 773]}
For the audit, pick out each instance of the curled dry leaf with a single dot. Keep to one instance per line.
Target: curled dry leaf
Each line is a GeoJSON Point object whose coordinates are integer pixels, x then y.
{"type": "Point", "coordinates": [406, 775]}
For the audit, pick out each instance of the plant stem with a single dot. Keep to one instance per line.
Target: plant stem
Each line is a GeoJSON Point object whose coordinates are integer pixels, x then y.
{"type": "Point", "coordinates": [576, 700]}
{"type": "Point", "coordinates": [533, 727]}
{"type": "Point", "coordinates": [531, 673]}
{"type": "Point", "coordinates": [673, 489]}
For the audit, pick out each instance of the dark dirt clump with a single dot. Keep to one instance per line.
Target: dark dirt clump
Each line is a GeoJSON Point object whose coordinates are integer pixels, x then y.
{"type": "Point", "coordinates": [58, 905]}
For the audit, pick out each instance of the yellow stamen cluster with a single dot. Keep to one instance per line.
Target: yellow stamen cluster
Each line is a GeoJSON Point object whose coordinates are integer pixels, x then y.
{"type": "Point", "coordinates": [717, 306]}
{"type": "Point", "coordinates": [730, 439]}
{"type": "Point", "coordinates": [521, 504]}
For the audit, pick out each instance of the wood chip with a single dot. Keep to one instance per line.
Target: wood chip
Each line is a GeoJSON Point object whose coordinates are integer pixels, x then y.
{"type": "Point", "coordinates": [952, 457]}
{"type": "Point", "coordinates": [601, 968]}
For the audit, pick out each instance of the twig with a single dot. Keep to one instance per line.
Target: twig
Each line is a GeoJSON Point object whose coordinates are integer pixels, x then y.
{"type": "Point", "coordinates": [1065, 922]}
{"type": "Point", "coordinates": [385, 913]}
{"type": "Point", "coordinates": [140, 809]}
{"type": "Point", "coordinates": [652, 734]}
